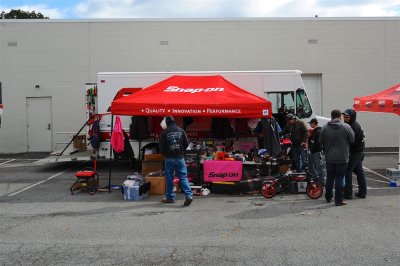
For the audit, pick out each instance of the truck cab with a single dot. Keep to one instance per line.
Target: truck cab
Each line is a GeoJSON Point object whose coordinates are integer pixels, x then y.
{"type": "Point", "coordinates": [295, 102]}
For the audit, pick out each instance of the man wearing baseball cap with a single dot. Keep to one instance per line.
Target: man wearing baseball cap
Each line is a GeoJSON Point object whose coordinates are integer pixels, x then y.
{"type": "Point", "coordinates": [298, 134]}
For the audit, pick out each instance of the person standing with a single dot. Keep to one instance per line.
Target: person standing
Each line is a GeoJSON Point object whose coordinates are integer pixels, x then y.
{"type": "Point", "coordinates": [336, 138]}
{"type": "Point", "coordinates": [173, 143]}
{"type": "Point", "coordinates": [356, 158]}
{"type": "Point", "coordinates": [298, 134]}
{"type": "Point", "coordinates": [314, 146]}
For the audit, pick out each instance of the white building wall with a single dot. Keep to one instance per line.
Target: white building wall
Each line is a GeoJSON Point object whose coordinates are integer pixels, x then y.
{"type": "Point", "coordinates": [354, 57]}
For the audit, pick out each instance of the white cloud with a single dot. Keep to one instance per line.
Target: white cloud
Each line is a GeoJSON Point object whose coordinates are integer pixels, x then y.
{"type": "Point", "coordinates": [360, 8]}
{"type": "Point", "coordinates": [260, 8]}
{"type": "Point", "coordinates": [160, 8]}
{"type": "Point", "coordinates": [233, 8]}
{"type": "Point", "coordinates": [372, 10]}
{"type": "Point", "coordinates": [217, 8]}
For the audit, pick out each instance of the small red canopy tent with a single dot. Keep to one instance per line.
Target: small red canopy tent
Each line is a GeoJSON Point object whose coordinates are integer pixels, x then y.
{"type": "Point", "coordinates": [206, 96]}
{"type": "Point", "coordinates": [386, 101]}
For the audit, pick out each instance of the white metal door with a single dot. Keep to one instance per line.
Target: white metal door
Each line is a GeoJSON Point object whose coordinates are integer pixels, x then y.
{"type": "Point", "coordinates": [312, 82]}
{"type": "Point", "coordinates": [39, 124]}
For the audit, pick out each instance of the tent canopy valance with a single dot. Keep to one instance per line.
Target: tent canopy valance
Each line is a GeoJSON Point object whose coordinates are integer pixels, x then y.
{"type": "Point", "coordinates": [386, 101]}
{"type": "Point", "coordinates": [206, 96]}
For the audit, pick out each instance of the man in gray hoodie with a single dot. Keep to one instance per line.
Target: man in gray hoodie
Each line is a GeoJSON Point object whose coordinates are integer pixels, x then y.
{"type": "Point", "coordinates": [336, 138]}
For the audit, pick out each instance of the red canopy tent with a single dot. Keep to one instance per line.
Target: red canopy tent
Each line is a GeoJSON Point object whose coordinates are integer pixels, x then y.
{"type": "Point", "coordinates": [203, 96]}
{"type": "Point", "coordinates": [387, 101]}
{"type": "Point", "coordinates": [206, 96]}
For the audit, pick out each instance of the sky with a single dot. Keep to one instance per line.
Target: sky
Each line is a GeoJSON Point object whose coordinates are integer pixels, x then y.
{"type": "Point", "coordinates": [83, 9]}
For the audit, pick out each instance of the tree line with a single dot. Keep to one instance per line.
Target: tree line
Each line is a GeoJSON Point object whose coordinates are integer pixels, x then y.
{"type": "Point", "coordinates": [21, 14]}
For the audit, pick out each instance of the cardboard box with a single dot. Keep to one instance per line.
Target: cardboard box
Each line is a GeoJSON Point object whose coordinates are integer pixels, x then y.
{"type": "Point", "coordinates": [157, 184]}
{"type": "Point", "coordinates": [80, 143]}
{"type": "Point", "coordinates": [151, 166]}
{"type": "Point", "coordinates": [154, 157]}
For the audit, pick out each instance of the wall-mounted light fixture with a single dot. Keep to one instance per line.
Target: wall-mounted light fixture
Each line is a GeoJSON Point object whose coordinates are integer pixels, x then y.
{"type": "Point", "coordinates": [37, 86]}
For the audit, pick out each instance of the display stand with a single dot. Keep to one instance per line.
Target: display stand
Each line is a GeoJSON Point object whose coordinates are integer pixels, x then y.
{"type": "Point", "coordinates": [192, 160]}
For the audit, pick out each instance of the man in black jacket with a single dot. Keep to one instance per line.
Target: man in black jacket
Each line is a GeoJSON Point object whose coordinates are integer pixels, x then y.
{"type": "Point", "coordinates": [314, 146]}
{"type": "Point", "coordinates": [356, 158]}
{"type": "Point", "coordinates": [173, 143]}
{"type": "Point", "coordinates": [298, 134]}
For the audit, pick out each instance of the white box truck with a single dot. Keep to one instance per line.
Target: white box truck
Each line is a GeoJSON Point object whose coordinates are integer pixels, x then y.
{"type": "Point", "coordinates": [283, 88]}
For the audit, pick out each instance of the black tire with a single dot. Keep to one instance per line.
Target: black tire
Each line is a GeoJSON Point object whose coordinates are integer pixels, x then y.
{"type": "Point", "coordinates": [314, 190]}
{"type": "Point", "coordinates": [268, 190]}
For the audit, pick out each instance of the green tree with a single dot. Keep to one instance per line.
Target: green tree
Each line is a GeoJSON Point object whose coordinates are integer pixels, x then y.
{"type": "Point", "coordinates": [20, 14]}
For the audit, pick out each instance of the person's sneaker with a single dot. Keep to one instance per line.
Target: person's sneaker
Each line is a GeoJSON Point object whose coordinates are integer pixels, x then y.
{"type": "Point", "coordinates": [348, 197]}
{"type": "Point", "coordinates": [165, 200]}
{"type": "Point", "coordinates": [358, 195]}
{"type": "Point", "coordinates": [187, 202]}
{"type": "Point", "coordinates": [328, 200]}
{"type": "Point", "coordinates": [341, 203]}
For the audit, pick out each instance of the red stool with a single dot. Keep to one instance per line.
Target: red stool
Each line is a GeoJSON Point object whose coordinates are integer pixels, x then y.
{"type": "Point", "coordinates": [87, 176]}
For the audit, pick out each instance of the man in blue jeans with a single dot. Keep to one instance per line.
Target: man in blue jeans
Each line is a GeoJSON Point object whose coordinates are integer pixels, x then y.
{"type": "Point", "coordinates": [173, 143]}
{"type": "Point", "coordinates": [336, 138]}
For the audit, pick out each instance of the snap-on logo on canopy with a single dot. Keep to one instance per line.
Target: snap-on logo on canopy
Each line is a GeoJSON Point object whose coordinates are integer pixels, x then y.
{"type": "Point", "coordinates": [192, 90]}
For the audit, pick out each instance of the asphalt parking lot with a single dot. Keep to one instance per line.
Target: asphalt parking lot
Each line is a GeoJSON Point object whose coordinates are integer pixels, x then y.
{"type": "Point", "coordinates": [41, 223]}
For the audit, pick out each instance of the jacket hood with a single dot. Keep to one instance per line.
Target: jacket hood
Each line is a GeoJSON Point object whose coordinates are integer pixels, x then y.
{"type": "Point", "coordinates": [352, 114]}
{"type": "Point", "coordinates": [169, 120]}
{"type": "Point", "coordinates": [334, 124]}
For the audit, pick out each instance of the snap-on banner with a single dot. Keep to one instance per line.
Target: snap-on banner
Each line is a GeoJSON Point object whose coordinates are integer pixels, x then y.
{"type": "Point", "coordinates": [217, 171]}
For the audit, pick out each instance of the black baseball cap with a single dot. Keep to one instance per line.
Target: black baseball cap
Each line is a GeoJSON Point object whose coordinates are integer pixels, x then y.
{"type": "Point", "coordinates": [346, 112]}
{"type": "Point", "coordinates": [289, 116]}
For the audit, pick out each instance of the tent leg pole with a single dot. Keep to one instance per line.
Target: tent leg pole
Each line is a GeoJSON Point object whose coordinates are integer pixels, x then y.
{"type": "Point", "coordinates": [111, 163]}
{"type": "Point", "coordinates": [140, 147]}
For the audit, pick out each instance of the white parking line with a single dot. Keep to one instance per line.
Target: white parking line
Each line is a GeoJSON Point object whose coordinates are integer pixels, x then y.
{"type": "Point", "coordinates": [9, 161]}
{"type": "Point", "coordinates": [34, 185]}
{"type": "Point", "coordinates": [379, 181]}
{"type": "Point", "coordinates": [377, 188]}
{"type": "Point", "coordinates": [356, 185]}
{"type": "Point", "coordinates": [40, 182]}
{"type": "Point", "coordinates": [378, 174]}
